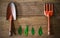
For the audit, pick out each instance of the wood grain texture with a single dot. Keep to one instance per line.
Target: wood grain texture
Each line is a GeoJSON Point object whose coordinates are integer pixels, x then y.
{"type": "Point", "coordinates": [31, 13]}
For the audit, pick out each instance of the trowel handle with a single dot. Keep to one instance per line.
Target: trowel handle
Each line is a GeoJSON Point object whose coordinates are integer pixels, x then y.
{"type": "Point", "coordinates": [48, 25]}
{"type": "Point", "coordinates": [10, 19]}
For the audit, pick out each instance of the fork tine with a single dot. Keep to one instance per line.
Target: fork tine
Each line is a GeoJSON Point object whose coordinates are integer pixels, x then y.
{"type": "Point", "coordinates": [52, 7]}
{"type": "Point", "coordinates": [46, 7]}
{"type": "Point", "coordinates": [49, 7]}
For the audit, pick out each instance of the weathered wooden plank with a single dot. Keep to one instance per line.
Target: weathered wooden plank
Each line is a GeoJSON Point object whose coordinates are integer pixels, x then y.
{"type": "Point", "coordinates": [31, 21]}
{"type": "Point", "coordinates": [29, 8]}
{"type": "Point", "coordinates": [30, 12]}
{"type": "Point", "coordinates": [31, 0]}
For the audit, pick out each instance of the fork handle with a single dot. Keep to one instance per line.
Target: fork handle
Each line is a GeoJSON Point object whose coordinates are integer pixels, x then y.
{"type": "Point", "coordinates": [48, 25]}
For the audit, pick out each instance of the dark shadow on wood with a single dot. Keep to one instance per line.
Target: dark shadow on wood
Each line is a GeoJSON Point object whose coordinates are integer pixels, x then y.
{"type": "Point", "coordinates": [13, 30]}
{"type": "Point", "coordinates": [55, 22]}
{"type": "Point", "coordinates": [18, 10]}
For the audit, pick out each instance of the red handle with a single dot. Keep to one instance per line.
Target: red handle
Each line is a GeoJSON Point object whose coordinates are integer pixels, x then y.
{"type": "Point", "coordinates": [48, 25]}
{"type": "Point", "coordinates": [10, 19]}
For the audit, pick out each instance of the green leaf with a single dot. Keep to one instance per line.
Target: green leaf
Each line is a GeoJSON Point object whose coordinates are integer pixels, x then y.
{"type": "Point", "coordinates": [26, 30]}
{"type": "Point", "coordinates": [33, 31]}
{"type": "Point", "coordinates": [40, 31]}
{"type": "Point", "coordinates": [20, 30]}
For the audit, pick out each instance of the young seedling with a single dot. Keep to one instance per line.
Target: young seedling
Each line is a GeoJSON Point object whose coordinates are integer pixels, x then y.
{"type": "Point", "coordinates": [20, 30]}
{"type": "Point", "coordinates": [26, 30]}
{"type": "Point", "coordinates": [33, 31]}
{"type": "Point", "coordinates": [40, 31]}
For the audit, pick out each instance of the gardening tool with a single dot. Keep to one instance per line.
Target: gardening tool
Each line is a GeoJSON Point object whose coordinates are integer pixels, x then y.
{"type": "Point", "coordinates": [48, 11]}
{"type": "Point", "coordinates": [11, 15]}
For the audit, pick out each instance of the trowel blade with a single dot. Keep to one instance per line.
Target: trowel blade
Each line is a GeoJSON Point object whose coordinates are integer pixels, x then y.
{"type": "Point", "coordinates": [13, 10]}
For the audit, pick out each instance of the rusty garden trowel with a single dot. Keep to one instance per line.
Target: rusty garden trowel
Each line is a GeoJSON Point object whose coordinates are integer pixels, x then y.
{"type": "Point", "coordinates": [11, 15]}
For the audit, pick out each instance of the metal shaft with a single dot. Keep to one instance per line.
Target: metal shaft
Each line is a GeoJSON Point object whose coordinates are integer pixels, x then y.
{"type": "Point", "coordinates": [10, 25]}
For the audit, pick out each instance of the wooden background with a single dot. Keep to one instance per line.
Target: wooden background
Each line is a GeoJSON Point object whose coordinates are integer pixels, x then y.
{"type": "Point", "coordinates": [30, 12]}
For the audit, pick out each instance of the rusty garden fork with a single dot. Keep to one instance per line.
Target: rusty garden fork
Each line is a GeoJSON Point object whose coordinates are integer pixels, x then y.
{"type": "Point", "coordinates": [48, 11]}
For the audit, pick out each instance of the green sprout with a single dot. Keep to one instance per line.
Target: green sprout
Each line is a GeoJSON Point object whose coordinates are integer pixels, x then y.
{"type": "Point", "coordinates": [40, 32]}
{"type": "Point", "coordinates": [20, 30]}
{"type": "Point", "coordinates": [26, 30]}
{"type": "Point", "coordinates": [33, 31]}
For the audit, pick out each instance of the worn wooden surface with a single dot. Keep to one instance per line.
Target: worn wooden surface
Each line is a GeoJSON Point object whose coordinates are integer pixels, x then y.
{"type": "Point", "coordinates": [30, 13]}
